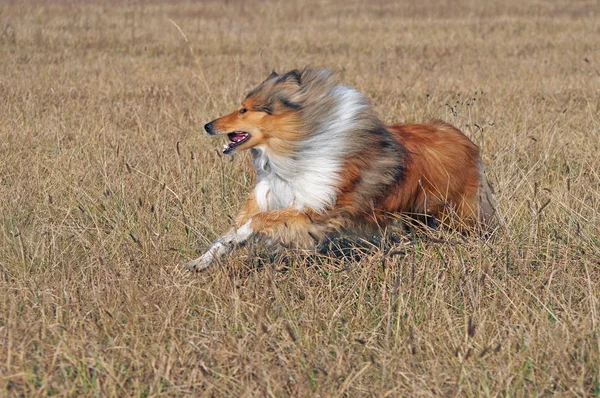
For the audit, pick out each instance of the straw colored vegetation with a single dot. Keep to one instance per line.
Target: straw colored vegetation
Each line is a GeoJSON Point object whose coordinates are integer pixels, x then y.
{"type": "Point", "coordinates": [108, 184]}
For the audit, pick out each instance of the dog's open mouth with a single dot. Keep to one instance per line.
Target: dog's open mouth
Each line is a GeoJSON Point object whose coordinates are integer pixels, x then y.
{"type": "Point", "coordinates": [237, 138]}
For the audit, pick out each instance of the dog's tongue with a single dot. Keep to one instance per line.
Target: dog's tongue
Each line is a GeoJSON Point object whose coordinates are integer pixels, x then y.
{"type": "Point", "coordinates": [237, 137]}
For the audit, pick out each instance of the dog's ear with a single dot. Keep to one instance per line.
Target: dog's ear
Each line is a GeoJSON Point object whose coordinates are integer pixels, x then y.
{"type": "Point", "coordinates": [293, 76]}
{"type": "Point", "coordinates": [273, 75]}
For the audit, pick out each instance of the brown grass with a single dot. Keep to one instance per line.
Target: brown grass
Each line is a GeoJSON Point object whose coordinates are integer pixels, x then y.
{"type": "Point", "coordinates": [107, 181]}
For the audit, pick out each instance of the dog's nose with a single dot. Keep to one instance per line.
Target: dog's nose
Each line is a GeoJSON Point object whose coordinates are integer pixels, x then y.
{"type": "Point", "coordinates": [209, 128]}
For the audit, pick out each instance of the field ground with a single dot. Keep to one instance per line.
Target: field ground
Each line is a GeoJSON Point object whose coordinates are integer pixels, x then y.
{"type": "Point", "coordinates": [107, 182]}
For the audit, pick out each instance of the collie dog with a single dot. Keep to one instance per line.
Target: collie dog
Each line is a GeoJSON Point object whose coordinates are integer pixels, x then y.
{"type": "Point", "coordinates": [325, 163]}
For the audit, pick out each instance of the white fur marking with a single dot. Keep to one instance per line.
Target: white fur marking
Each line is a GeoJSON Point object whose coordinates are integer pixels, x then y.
{"type": "Point", "coordinates": [221, 247]}
{"type": "Point", "coordinates": [244, 232]}
{"type": "Point", "coordinates": [261, 195]}
{"type": "Point", "coordinates": [215, 251]}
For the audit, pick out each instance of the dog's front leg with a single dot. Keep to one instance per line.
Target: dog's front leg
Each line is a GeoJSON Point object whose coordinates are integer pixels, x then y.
{"type": "Point", "coordinates": [226, 243]}
{"type": "Point", "coordinates": [221, 247]}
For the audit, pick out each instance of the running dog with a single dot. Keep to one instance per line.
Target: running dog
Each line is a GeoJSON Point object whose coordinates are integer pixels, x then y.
{"type": "Point", "coordinates": [325, 163]}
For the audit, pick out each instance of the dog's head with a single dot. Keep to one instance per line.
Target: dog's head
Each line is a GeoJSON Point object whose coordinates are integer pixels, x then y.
{"type": "Point", "coordinates": [272, 114]}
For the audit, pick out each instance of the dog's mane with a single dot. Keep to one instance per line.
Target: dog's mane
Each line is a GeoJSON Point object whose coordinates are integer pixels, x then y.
{"type": "Point", "coordinates": [335, 124]}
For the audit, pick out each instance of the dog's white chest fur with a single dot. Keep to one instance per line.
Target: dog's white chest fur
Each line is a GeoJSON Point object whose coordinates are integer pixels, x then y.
{"type": "Point", "coordinates": [296, 187]}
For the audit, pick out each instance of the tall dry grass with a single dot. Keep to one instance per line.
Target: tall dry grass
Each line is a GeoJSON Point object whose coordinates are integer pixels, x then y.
{"type": "Point", "coordinates": [107, 182]}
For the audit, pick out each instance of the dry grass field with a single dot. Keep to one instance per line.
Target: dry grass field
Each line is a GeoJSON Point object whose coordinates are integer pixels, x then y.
{"type": "Point", "coordinates": [108, 184]}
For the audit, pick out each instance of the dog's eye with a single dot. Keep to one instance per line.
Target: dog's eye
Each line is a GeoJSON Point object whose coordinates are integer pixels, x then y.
{"type": "Point", "coordinates": [243, 110]}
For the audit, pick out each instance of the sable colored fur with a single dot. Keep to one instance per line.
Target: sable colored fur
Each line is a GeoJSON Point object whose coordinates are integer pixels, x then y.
{"type": "Point", "coordinates": [326, 163]}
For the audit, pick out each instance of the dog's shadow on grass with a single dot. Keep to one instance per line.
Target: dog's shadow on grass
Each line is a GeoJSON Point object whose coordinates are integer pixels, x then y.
{"type": "Point", "coordinates": [341, 250]}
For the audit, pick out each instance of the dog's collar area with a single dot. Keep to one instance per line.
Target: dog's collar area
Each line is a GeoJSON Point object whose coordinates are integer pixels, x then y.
{"type": "Point", "coordinates": [237, 138]}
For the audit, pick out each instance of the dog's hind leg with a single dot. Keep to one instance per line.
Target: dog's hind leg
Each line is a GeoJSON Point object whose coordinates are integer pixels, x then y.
{"type": "Point", "coordinates": [302, 229]}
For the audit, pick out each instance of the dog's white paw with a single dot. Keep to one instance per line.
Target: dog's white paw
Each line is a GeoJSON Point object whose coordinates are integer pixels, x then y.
{"type": "Point", "coordinates": [214, 252]}
{"type": "Point", "coordinates": [199, 264]}
{"type": "Point", "coordinates": [190, 265]}
{"type": "Point", "coordinates": [220, 248]}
